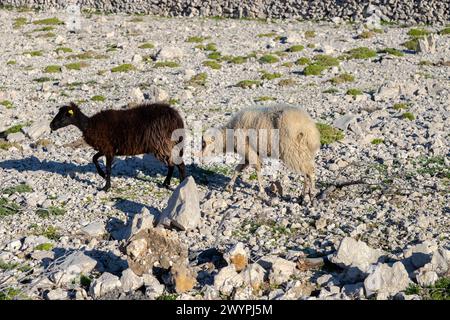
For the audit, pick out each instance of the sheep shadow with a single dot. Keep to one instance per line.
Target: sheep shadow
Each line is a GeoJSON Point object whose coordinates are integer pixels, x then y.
{"type": "Point", "coordinates": [127, 167]}
{"type": "Point", "coordinates": [206, 177]}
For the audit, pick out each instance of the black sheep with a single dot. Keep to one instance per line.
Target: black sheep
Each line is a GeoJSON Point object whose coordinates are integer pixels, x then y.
{"type": "Point", "coordinates": [147, 128]}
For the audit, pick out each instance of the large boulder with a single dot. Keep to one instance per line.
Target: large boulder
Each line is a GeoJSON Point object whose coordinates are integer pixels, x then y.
{"type": "Point", "coordinates": [356, 256]}
{"type": "Point", "coordinates": [130, 281]}
{"type": "Point", "coordinates": [106, 283]}
{"type": "Point", "coordinates": [386, 281]}
{"type": "Point", "coordinates": [73, 266]}
{"type": "Point", "coordinates": [227, 279]}
{"type": "Point", "coordinates": [183, 208]}
{"type": "Point", "coordinates": [155, 247]}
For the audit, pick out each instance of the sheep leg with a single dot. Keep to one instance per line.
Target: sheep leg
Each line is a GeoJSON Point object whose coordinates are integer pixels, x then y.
{"type": "Point", "coordinates": [182, 171]}
{"type": "Point", "coordinates": [312, 191]}
{"type": "Point", "coordinates": [166, 182]}
{"type": "Point", "coordinates": [239, 168]}
{"type": "Point", "coordinates": [109, 160]}
{"type": "Point", "coordinates": [97, 165]}
{"type": "Point", "coordinates": [262, 192]}
{"type": "Point", "coordinates": [305, 188]}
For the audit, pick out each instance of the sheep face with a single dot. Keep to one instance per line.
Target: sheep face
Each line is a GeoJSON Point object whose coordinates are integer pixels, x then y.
{"type": "Point", "coordinates": [66, 116]}
{"type": "Point", "coordinates": [212, 143]}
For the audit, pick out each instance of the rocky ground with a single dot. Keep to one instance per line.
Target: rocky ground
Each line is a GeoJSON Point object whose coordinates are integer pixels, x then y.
{"type": "Point", "coordinates": [381, 224]}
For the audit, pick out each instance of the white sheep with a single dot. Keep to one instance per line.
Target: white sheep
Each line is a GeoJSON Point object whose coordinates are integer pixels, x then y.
{"type": "Point", "coordinates": [298, 140]}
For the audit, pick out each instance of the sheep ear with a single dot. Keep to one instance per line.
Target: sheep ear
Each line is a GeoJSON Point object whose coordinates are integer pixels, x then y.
{"type": "Point", "coordinates": [73, 104]}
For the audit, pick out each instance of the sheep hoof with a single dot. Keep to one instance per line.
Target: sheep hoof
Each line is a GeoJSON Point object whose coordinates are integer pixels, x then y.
{"type": "Point", "coordinates": [229, 188]}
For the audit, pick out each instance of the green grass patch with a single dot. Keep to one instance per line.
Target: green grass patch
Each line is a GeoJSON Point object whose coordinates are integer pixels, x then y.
{"type": "Point", "coordinates": [331, 90]}
{"type": "Point", "coordinates": [85, 281]}
{"type": "Point", "coordinates": [417, 33]}
{"type": "Point", "coordinates": [310, 34]}
{"type": "Point", "coordinates": [87, 56]}
{"type": "Point", "coordinates": [50, 211]}
{"type": "Point", "coordinates": [342, 78]}
{"type": "Point", "coordinates": [207, 47]}
{"type": "Point", "coordinates": [329, 134]}
{"type": "Point", "coordinates": [409, 116]}
{"type": "Point", "coordinates": [20, 188]}
{"type": "Point", "coordinates": [63, 50]}
{"type": "Point", "coordinates": [354, 92]}
{"type": "Point", "coordinates": [433, 166]}
{"type": "Point", "coordinates": [287, 82]}
{"type": "Point", "coordinates": [296, 48]}
{"type": "Point", "coordinates": [246, 84]}
{"type": "Point", "coordinates": [361, 53]}
{"type": "Point", "coordinates": [412, 44]}
{"type": "Point", "coordinates": [7, 266]}
{"type": "Point", "coordinates": [146, 45]}
{"type": "Point", "coordinates": [166, 64]}
{"type": "Point", "coordinates": [11, 294]}
{"type": "Point", "coordinates": [44, 29]}
{"type": "Point", "coordinates": [212, 64]}
{"type": "Point", "coordinates": [98, 98]}
{"type": "Point", "coordinates": [268, 58]}
{"type": "Point", "coordinates": [42, 79]}
{"type": "Point", "coordinates": [196, 39]}
{"type": "Point", "coordinates": [7, 104]}
{"type": "Point", "coordinates": [47, 35]}
{"type": "Point", "coordinates": [14, 129]}
{"type": "Point", "coordinates": [303, 61]}
{"type": "Point", "coordinates": [19, 22]}
{"type": "Point", "coordinates": [167, 296]}
{"type": "Point", "coordinates": [439, 291]}
{"type": "Point", "coordinates": [215, 55]}
{"type": "Point", "coordinates": [198, 79]}
{"type": "Point", "coordinates": [425, 63]}
{"type": "Point", "coordinates": [44, 247]}
{"type": "Point", "coordinates": [49, 232]}
{"type": "Point", "coordinates": [267, 35]}
{"type": "Point", "coordinates": [377, 141]}
{"type": "Point", "coordinates": [11, 62]}
{"type": "Point", "coordinates": [238, 60]}
{"type": "Point", "coordinates": [48, 21]}
{"type": "Point", "coordinates": [270, 76]}
{"type": "Point", "coordinates": [5, 145]}
{"type": "Point", "coordinates": [126, 67]}
{"type": "Point", "coordinates": [314, 69]}
{"type": "Point", "coordinates": [52, 69]}
{"type": "Point", "coordinates": [392, 52]}
{"type": "Point", "coordinates": [76, 65]}
{"type": "Point", "coordinates": [264, 98]}
{"type": "Point", "coordinates": [326, 60]}
{"type": "Point", "coordinates": [36, 53]}
{"type": "Point", "coordinates": [445, 31]}
{"type": "Point", "coordinates": [366, 34]}
{"type": "Point", "coordinates": [8, 208]}
{"type": "Point", "coordinates": [288, 64]}
{"type": "Point", "coordinates": [400, 106]}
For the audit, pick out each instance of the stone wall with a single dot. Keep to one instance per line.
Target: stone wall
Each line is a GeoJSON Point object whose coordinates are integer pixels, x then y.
{"type": "Point", "coordinates": [403, 11]}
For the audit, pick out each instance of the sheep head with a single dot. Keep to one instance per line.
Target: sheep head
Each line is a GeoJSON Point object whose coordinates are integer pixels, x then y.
{"type": "Point", "coordinates": [213, 142]}
{"type": "Point", "coordinates": [67, 115]}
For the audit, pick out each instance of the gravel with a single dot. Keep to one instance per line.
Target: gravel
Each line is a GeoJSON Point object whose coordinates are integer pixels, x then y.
{"type": "Point", "coordinates": [384, 184]}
